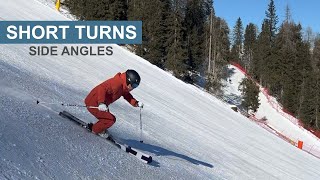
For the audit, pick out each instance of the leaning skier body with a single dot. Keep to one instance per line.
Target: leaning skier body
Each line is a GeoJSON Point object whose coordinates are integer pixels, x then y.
{"type": "Point", "coordinates": [108, 92]}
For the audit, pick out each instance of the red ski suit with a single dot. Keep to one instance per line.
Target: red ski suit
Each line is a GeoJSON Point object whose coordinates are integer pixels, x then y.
{"type": "Point", "coordinates": [107, 92]}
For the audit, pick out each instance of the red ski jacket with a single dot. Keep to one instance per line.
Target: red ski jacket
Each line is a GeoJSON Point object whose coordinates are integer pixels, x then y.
{"type": "Point", "coordinates": [109, 91]}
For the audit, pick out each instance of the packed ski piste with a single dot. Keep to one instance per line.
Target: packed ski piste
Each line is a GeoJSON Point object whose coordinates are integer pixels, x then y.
{"type": "Point", "coordinates": [88, 96]}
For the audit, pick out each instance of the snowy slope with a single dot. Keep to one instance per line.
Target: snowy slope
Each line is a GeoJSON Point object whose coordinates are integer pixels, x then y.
{"type": "Point", "coordinates": [190, 134]}
{"type": "Point", "coordinates": [275, 118]}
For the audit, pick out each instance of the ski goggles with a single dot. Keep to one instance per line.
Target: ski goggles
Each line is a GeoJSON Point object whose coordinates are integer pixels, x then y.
{"type": "Point", "coordinates": [134, 85]}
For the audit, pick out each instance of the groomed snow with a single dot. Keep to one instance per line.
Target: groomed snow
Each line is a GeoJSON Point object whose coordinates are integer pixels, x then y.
{"type": "Point", "coordinates": [189, 133]}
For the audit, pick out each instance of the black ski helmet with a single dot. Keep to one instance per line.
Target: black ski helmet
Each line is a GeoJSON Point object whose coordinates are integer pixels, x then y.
{"type": "Point", "coordinates": [133, 78]}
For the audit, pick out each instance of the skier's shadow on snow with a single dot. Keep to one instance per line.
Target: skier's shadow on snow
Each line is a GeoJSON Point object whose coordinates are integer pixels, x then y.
{"type": "Point", "coordinates": [159, 151]}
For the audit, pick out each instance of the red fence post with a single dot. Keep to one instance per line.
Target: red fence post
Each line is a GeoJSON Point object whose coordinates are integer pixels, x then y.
{"type": "Point", "coordinates": [300, 144]}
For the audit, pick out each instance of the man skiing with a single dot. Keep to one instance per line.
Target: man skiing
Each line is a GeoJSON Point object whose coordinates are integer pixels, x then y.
{"type": "Point", "coordinates": [106, 93]}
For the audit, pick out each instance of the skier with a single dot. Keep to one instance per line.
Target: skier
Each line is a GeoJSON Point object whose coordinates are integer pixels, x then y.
{"type": "Point", "coordinates": [106, 93]}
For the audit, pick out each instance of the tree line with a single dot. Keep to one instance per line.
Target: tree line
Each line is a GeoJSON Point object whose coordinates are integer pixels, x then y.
{"type": "Point", "coordinates": [285, 59]}
{"type": "Point", "coordinates": [186, 38]}
{"type": "Point", "coordinates": [175, 32]}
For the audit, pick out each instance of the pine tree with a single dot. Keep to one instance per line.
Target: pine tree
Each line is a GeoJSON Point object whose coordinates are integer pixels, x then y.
{"type": "Point", "coordinates": [281, 53]}
{"type": "Point", "coordinates": [98, 9]}
{"type": "Point", "coordinates": [272, 20]}
{"type": "Point", "coordinates": [309, 98]}
{"type": "Point", "coordinates": [250, 38]}
{"type": "Point", "coordinates": [304, 66]}
{"type": "Point", "coordinates": [197, 12]}
{"type": "Point", "coordinates": [264, 55]}
{"type": "Point", "coordinates": [153, 14]}
{"type": "Point", "coordinates": [316, 83]}
{"type": "Point", "coordinates": [261, 54]}
{"type": "Point", "coordinates": [294, 57]}
{"type": "Point", "coordinates": [176, 52]}
{"type": "Point", "coordinates": [250, 92]}
{"type": "Point", "coordinates": [77, 8]}
{"type": "Point", "coordinates": [136, 12]}
{"type": "Point", "coordinates": [237, 45]}
{"type": "Point", "coordinates": [118, 9]}
{"type": "Point", "coordinates": [267, 64]}
{"type": "Point", "coordinates": [316, 54]}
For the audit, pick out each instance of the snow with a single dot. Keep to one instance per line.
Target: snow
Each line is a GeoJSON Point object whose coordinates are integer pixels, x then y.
{"type": "Point", "coordinates": [271, 110]}
{"type": "Point", "coordinates": [189, 133]}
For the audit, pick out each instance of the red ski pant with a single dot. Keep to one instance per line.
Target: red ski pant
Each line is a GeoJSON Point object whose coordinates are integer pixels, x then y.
{"type": "Point", "coordinates": [105, 120]}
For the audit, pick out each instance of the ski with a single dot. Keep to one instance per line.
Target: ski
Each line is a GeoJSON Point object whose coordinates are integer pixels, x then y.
{"type": "Point", "coordinates": [138, 154]}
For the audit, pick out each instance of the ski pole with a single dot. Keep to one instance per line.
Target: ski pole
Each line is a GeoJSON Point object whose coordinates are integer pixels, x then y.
{"type": "Point", "coordinates": [141, 126]}
{"type": "Point", "coordinates": [63, 104]}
